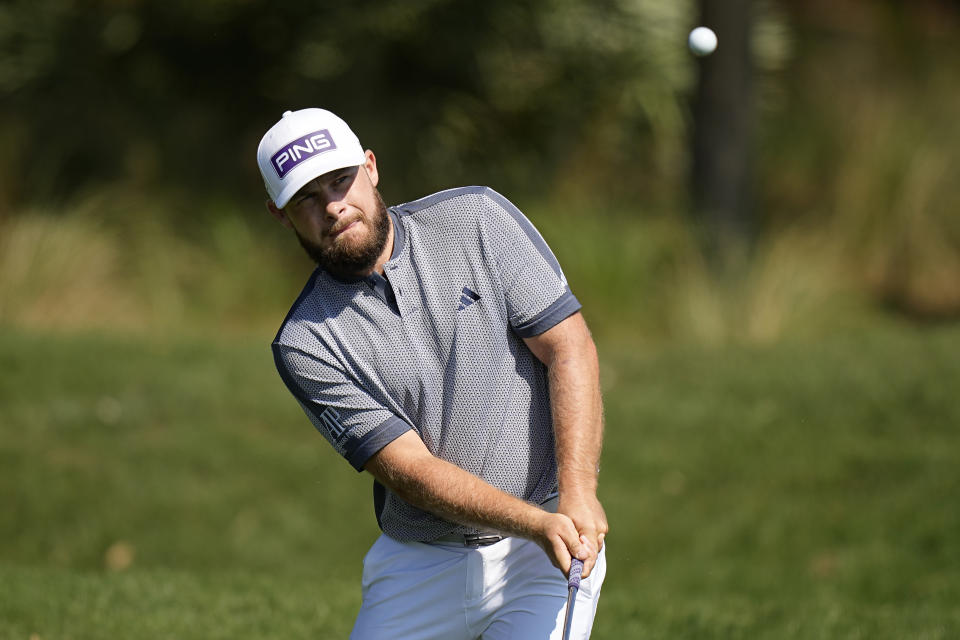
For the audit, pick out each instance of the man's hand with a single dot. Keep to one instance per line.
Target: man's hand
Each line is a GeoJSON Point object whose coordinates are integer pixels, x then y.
{"type": "Point", "coordinates": [587, 515]}
{"type": "Point", "coordinates": [558, 536]}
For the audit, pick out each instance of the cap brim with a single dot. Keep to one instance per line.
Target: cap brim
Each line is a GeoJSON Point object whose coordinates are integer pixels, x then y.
{"type": "Point", "coordinates": [308, 171]}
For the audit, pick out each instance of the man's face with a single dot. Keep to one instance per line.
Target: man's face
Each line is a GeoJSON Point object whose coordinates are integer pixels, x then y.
{"type": "Point", "coordinates": [341, 220]}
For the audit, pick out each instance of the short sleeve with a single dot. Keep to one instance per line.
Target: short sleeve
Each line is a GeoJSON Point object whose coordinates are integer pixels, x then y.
{"type": "Point", "coordinates": [535, 290]}
{"type": "Point", "coordinates": [349, 418]}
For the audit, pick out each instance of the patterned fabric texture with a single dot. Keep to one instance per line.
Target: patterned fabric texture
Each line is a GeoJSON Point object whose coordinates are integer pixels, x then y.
{"type": "Point", "coordinates": [436, 345]}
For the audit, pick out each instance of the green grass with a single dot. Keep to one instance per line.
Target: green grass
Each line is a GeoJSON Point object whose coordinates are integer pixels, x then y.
{"type": "Point", "coordinates": [171, 489]}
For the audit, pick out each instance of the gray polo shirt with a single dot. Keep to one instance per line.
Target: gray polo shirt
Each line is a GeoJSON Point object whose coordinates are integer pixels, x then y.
{"type": "Point", "coordinates": [436, 346]}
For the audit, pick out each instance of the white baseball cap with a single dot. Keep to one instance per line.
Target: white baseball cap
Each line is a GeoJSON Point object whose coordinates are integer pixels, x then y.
{"type": "Point", "coordinates": [305, 144]}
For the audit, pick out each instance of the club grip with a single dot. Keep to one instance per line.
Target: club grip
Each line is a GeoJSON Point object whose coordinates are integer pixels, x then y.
{"type": "Point", "coordinates": [576, 568]}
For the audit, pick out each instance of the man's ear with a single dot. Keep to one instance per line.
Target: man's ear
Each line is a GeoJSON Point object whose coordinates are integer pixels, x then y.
{"type": "Point", "coordinates": [370, 164]}
{"type": "Point", "coordinates": [278, 213]}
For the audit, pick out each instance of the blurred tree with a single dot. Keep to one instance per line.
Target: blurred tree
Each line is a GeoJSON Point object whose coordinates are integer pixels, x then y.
{"type": "Point", "coordinates": [864, 144]}
{"type": "Point", "coordinates": [723, 128]}
{"type": "Point", "coordinates": [526, 96]}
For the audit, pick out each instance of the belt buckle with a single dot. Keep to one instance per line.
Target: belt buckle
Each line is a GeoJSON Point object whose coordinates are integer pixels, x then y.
{"type": "Point", "coordinates": [480, 539]}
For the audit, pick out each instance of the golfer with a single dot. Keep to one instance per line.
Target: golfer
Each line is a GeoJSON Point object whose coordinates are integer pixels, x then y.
{"type": "Point", "coordinates": [438, 347]}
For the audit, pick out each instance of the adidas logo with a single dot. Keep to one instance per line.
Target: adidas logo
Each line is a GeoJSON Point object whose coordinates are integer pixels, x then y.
{"type": "Point", "coordinates": [467, 298]}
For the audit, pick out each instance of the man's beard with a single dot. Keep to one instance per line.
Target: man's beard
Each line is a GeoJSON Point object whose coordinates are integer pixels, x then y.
{"type": "Point", "coordinates": [347, 261]}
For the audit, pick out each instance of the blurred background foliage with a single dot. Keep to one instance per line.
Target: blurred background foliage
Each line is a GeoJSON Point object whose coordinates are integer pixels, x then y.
{"type": "Point", "coordinates": [128, 128]}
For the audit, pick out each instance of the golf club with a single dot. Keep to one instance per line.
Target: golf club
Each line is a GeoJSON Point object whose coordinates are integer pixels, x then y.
{"type": "Point", "coordinates": [573, 584]}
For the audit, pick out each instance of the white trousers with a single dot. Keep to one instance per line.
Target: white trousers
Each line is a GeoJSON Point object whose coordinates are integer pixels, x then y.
{"type": "Point", "coordinates": [417, 591]}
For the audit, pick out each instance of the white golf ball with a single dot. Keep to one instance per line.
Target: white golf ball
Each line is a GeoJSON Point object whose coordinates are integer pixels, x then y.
{"type": "Point", "coordinates": [702, 41]}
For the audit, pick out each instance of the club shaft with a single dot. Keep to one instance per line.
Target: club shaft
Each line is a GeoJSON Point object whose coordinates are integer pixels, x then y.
{"type": "Point", "coordinates": [568, 617]}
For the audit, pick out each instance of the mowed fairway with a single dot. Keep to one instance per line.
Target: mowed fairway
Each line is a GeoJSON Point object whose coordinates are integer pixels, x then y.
{"type": "Point", "coordinates": [172, 489]}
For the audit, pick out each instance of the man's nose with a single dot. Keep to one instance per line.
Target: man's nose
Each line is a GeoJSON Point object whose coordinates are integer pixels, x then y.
{"type": "Point", "coordinates": [335, 207]}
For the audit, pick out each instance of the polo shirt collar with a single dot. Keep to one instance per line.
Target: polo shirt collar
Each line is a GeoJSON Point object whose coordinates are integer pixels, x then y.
{"type": "Point", "coordinates": [399, 235]}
